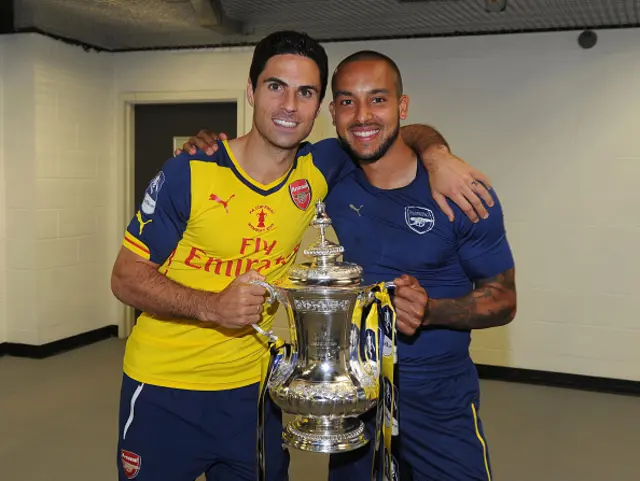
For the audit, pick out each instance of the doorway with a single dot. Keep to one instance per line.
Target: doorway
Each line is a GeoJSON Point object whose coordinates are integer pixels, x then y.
{"type": "Point", "coordinates": [158, 127]}
{"type": "Point", "coordinates": [161, 128]}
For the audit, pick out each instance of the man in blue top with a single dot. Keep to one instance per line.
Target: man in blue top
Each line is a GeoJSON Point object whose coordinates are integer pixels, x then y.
{"type": "Point", "coordinates": [388, 222]}
{"type": "Point", "coordinates": [386, 217]}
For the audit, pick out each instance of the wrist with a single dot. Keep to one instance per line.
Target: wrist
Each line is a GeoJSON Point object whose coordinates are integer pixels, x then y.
{"type": "Point", "coordinates": [433, 155]}
{"type": "Point", "coordinates": [427, 312]}
{"type": "Point", "coordinates": [435, 149]}
{"type": "Point", "coordinates": [209, 311]}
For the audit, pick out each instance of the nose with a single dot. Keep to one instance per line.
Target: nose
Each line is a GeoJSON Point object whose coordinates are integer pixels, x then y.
{"type": "Point", "coordinates": [363, 114]}
{"type": "Point", "coordinates": [290, 101]}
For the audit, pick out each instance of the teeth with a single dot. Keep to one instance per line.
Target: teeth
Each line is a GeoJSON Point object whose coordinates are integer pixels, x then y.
{"type": "Point", "coordinates": [366, 133]}
{"type": "Point", "coordinates": [285, 123]}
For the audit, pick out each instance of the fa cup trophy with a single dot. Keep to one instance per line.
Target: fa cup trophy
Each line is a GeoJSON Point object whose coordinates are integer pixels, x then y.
{"type": "Point", "coordinates": [330, 373]}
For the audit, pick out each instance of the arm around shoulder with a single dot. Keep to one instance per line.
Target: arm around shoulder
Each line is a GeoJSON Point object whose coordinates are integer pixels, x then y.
{"type": "Point", "coordinates": [449, 176]}
{"type": "Point", "coordinates": [421, 138]}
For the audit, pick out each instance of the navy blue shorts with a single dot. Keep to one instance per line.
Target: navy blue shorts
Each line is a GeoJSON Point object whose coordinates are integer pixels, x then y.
{"type": "Point", "coordinates": [178, 435]}
{"type": "Point", "coordinates": [441, 436]}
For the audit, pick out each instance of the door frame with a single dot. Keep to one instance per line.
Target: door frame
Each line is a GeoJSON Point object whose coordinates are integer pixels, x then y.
{"type": "Point", "coordinates": [124, 188]}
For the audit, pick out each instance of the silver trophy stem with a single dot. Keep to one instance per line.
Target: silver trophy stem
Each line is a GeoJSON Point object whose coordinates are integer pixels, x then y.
{"type": "Point", "coordinates": [325, 434]}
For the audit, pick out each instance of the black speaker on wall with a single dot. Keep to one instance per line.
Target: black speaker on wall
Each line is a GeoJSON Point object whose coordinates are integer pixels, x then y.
{"type": "Point", "coordinates": [7, 24]}
{"type": "Point", "coordinates": [588, 39]}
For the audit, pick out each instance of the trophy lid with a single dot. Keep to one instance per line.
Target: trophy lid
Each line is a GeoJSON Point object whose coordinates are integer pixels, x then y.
{"type": "Point", "coordinates": [324, 268]}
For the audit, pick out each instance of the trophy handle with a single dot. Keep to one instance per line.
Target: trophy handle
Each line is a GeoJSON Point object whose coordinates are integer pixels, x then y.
{"type": "Point", "coordinates": [273, 297]}
{"type": "Point", "coordinates": [273, 293]}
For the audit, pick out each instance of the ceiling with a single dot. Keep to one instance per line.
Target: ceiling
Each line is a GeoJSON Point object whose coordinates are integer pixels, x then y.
{"type": "Point", "coordinates": [148, 24]}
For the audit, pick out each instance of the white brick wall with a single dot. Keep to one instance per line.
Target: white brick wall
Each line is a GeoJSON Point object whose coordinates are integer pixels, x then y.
{"type": "Point", "coordinates": [18, 134]}
{"type": "Point", "coordinates": [57, 183]}
{"type": "Point", "coordinates": [3, 270]}
{"type": "Point", "coordinates": [555, 127]}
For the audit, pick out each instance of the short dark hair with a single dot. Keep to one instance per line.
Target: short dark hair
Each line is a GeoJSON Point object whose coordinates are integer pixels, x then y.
{"type": "Point", "coordinates": [369, 55]}
{"type": "Point", "coordinates": [289, 42]}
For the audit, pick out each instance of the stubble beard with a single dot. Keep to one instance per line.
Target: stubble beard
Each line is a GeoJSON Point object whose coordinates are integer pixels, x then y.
{"type": "Point", "coordinates": [377, 154]}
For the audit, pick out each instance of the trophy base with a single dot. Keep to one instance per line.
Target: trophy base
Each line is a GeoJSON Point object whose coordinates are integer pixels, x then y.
{"type": "Point", "coordinates": [325, 435]}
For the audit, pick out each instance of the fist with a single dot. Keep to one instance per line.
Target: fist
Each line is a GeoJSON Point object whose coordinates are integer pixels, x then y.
{"type": "Point", "coordinates": [410, 302]}
{"type": "Point", "coordinates": [241, 303]}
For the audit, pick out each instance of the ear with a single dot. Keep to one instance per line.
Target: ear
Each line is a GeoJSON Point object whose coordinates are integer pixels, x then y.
{"type": "Point", "coordinates": [403, 107]}
{"type": "Point", "coordinates": [250, 92]}
{"type": "Point", "coordinates": [332, 109]}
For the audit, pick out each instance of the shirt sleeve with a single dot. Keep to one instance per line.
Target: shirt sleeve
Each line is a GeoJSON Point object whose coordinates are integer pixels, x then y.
{"type": "Point", "coordinates": [331, 159]}
{"type": "Point", "coordinates": [483, 248]}
{"type": "Point", "coordinates": [161, 219]}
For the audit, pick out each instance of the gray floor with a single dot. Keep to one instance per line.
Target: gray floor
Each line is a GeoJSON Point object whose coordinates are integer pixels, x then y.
{"type": "Point", "coordinates": [58, 423]}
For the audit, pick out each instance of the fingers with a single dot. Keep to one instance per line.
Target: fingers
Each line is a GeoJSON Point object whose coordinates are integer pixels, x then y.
{"type": "Point", "coordinates": [207, 141]}
{"type": "Point", "coordinates": [441, 200]}
{"type": "Point", "coordinates": [177, 152]}
{"type": "Point", "coordinates": [188, 146]}
{"type": "Point", "coordinates": [206, 147]}
{"type": "Point", "coordinates": [479, 188]}
{"type": "Point", "coordinates": [403, 280]}
{"type": "Point", "coordinates": [406, 280]}
{"type": "Point", "coordinates": [251, 314]}
{"type": "Point", "coordinates": [481, 177]}
{"type": "Point", "coordinates": [411, 301]}
{"type": "Point", "coordinates": [462, 202]}
{"type": "Point", "coordinates": [406, 323]}
{"type": "Point", "coordinates": [243, 306]}
{"type": "Point", "coordinates": [252, 293]}
{"type": "Point", "coordinates": [475, 201]}
{"type": "Point", "coordinates": [249, 276]}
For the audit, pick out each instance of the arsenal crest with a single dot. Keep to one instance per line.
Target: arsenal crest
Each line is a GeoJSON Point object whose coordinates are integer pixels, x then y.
{"type": "Point", "coordinates": [300, 191]}
{"type": "Point", "coordinates": [419, 219]}
{"type": "Point", "coordinates": [131, 463]}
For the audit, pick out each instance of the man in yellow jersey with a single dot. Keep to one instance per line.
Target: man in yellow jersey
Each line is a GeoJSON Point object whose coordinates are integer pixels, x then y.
{"type": "Point", "coordinates": [207, 226]}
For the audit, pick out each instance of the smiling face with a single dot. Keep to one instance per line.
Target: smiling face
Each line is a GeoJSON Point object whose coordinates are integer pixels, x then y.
{"type": "Point", "coordinates": [286, 100]}
{"type": "Point", "coordinates": [367, 108]}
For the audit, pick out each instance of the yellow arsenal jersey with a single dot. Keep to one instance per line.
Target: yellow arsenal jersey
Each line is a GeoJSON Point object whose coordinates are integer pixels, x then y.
{"type": "Point", "coordinates": [205, 222]}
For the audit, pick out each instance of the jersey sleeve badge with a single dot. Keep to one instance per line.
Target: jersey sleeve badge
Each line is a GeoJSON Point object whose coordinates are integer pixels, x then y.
{"type": "Point", "coordinates": [151, 194]}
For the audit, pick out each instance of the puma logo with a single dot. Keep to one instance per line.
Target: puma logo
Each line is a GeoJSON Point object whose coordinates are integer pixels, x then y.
{"type": "Point", "coordinates": [142, 222]}
{"type": "Point", "coordinates": [224, 203]}
{"type": "Point", "coordinates": [357, 209]}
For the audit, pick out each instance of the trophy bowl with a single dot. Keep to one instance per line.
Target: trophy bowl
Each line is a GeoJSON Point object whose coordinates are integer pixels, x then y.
{"type": "Point", "coordinates": [329, 373]}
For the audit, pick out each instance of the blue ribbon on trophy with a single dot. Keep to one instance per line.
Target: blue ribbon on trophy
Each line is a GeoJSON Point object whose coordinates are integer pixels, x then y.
{"type": "Point", "coordinates": [385, 460]}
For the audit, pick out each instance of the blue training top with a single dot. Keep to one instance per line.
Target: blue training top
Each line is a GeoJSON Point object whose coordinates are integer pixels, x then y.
{"type": "Point", "coordinates": [404, 231]}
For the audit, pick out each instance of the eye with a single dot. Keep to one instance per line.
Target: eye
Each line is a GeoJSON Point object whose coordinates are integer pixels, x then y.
{"type": "Point", "coordinates": [345, 102]}
{"type": "Point", "coordinates": [377, 100]}
{"type": "Point", "coordinates": [274, 87]}
{"type": "Point", "coordinates": [306, 93]}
